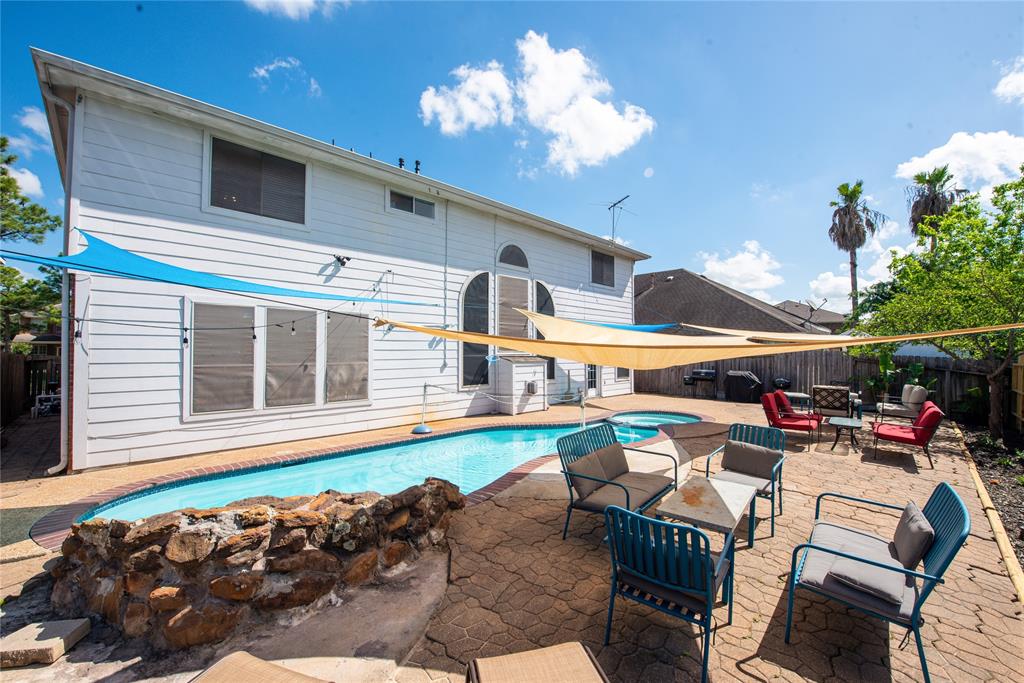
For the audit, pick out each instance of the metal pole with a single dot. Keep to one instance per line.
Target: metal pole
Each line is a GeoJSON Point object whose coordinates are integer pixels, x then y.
{"type": "Point", "coordinates": [423, 427]}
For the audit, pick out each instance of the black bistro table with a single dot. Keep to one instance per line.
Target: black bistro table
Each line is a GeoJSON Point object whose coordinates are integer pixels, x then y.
{"type": "Point", "coordinates": [850, 424]}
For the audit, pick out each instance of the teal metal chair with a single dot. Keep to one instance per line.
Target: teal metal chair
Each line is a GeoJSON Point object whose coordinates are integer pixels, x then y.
{"type": "Point", "coordinates": [769, 437]}
{"type": "Point", "coordinates": [948, 517]}
{"type": "Point", "coordinates": [641, 490]}
{"type": "Point", "coordinates": [668, 567]}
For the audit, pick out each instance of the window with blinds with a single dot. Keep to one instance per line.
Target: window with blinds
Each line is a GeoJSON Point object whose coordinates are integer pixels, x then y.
{"type": "Point", "coordinates": [602, 268]}
{"type": "Point", "coordinates": [222, 358]}
{"type": "Point", "coordinates": [247, 180]}
{"type": "Point", "coordinates": [513, 293]}
{"type": "Point", "coordinates": [291, 358]}
{"type": "Point", "coordinates": [621, 373]}
{"type": "Point", "coordinates": [347, 345]}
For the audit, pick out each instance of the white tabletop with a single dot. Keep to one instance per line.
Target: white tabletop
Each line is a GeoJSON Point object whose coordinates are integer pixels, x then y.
{"type": "Point", "coordinates": [708, 503]}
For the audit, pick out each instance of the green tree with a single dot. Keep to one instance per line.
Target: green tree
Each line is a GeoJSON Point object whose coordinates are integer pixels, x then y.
{"type": "Point", "coordinates": [852, 222]}
{"type": "Point", "coordinates": [20, 218]}
{"type": "Point", "coordinates": [932, 194]}
{"type": "Point", "coordinates": [18, 295]}
{"type": "Point", "coordinates": [973, 277]}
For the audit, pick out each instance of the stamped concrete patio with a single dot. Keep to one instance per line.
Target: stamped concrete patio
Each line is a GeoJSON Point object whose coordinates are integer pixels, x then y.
{"type": "Point", "coordinates": [515, 584]}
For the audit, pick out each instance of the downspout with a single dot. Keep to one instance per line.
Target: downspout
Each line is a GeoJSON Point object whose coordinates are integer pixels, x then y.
{"type": "Point", "coordinates": [65, 289]}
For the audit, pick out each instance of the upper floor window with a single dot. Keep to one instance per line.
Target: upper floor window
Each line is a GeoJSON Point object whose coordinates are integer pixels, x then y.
{"type": "Point", "coordinates": [410, 204]}
{"type": "Point", "coordinates": [512, 255]}
{"type": "Point", "coordinates": [255, 182]}
{"type": "Point", "coordinates": [513, 296]}
{"type": "Point", "coordinates": [602, 268]}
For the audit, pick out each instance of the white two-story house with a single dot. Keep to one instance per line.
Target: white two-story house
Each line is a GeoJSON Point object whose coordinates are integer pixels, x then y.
{"type": "Point", "coordinates": [158, 369]}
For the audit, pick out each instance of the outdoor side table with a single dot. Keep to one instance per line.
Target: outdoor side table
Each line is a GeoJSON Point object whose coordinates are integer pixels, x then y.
{"type": "Point", "coordinates": [850, 424]}
{"type": "Point", "coordinates": [711, 504]}
{"type": "Point", "coordinates": [798, 398]}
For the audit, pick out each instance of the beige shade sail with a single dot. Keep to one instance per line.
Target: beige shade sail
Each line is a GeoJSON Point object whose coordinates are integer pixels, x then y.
{"type": "Point", "coordinates": [598, 345]}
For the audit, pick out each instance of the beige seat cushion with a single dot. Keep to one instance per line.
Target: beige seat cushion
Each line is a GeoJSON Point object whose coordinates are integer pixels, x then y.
{"type": "Point", "coordinates": [895, 409]}
{"type": "Point", "coordinates": [642, 487]}
{"type": "Point", "coordinates": [566, 663]}
{"type": "Point", "coordinates": [613, 460]}
{"type": "Point", "coordinates": [242, 667]}
{"type": "Point", "coordinates": [759, 483]}
{"type": "Point", "coordinates": [748, 458]}
{"type": "Point", "coordinates": [590, 466]}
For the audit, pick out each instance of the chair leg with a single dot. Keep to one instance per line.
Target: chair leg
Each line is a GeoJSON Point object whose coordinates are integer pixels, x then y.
{"type": "Point", "coordinates": [707, 651]}
{"type": "Point", "coordinates": [611, 608]}
{"type": "Point", "coordinates": [773, 514]}
{"type": "Point", "coordinates": [920, 653]}
{"type": "Point", "coordinates": [874, 447]}
{"type": "Point", "coordinates": [930, 462]}
{"type": "Point", "coordinates": [789, 600]}
{"type": "Point", "coordinates": [751, 523]}
{"type": "Point", "coordinates": [568, 516]}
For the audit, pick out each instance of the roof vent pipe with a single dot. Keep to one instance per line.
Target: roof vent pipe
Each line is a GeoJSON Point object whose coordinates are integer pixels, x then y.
{"type": "Point", "coordinates": [417, 169]}
{"type": "Point", "coordinates": [401, 162]}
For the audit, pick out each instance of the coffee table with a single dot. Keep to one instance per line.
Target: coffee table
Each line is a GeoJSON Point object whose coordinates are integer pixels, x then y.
{"type": "Point", "coordinates": [850, 424]}
{"type": "Point", "coordinates": [711, 504]}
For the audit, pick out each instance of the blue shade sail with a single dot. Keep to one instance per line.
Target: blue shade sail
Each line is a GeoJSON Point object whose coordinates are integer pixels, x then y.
{"type": "Point", "coordinates": [632, 328]}
{"type": "Point", "coordinates": [104, 258]}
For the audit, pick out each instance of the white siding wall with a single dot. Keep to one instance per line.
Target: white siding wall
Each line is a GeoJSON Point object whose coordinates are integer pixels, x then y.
{"type": "Point", "coordinates": [139, 180]}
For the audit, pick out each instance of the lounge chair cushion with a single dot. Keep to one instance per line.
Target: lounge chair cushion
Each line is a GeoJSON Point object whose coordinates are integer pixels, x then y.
{"type": "Point", "coordinates": [569, 662]}
{"type": "Point", "coordinates": [879, 582]}
{"type": "Point", "coordinates": [749, 458]}
{"type": "Point", "coordinates": [613, 460]}
{"type": "Point", "coordinates": [818, 565]}
{"type": "Point", "coordinates": [913, 537]}
{"type": "Point", "coordinates": [691, 601]}
{"type": "Point", "coordinates": [589, 465]}
{"type": "Point", "coordinates": [761, 484]}
{"type": "Point", "coordinates": [242, 666]}
{"type": "Point", "coordinates": [913, 396]}
{"type": "Point", "coordinates": [895, 409]}
{"type": "Point", "coordinates": [642, 487]}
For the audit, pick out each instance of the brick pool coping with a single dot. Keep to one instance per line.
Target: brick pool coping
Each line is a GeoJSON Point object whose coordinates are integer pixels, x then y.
{"type": "Point", "coordinates": [50, 530]}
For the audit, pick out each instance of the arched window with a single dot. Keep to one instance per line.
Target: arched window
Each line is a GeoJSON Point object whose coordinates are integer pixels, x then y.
{"type": "Point", "coordinates": [544, 303]}
{"type": "Point", "coordinates": [512, 255]}
{"type": "Point", "coordinates": [476, 318]}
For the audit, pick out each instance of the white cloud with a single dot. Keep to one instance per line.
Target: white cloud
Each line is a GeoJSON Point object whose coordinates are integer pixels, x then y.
{"type": "Point", "coordinates": [766, 191]}
{"type": "Point", "coordinates": [618, 240]}
{"type": "Point", "coordinates": [977, 160]}
{"type": "Point", "coordinates": [291, 73]}
{"type": "Point", "coordinates": [482, 98]}
{"type": "Point", "coordinates": [37, 136]}
{"type": "Point", "coordinates": [28, 182]}
{"type": "Point", "coordinates": [887, 231]}
{"type": "Point", "coordinates": [648, 172]}
{"type": "Point", "coordinates": [296, 9]}
{"type": "Point", "coordinates": [34, 119]}
{"type": "Point", "coordinates": [25, 145]}
{"type": "Point", "coordinates": [556, 92]}
{"type": "Point", "coordinates": [752, 270]}
{"type": "Point", "coordinates": [1010, 87]}
{"type": "Point", "coordinates": [835, 288]}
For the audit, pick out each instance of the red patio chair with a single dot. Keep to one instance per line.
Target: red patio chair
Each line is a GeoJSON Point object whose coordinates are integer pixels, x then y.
{"type": "Point", "coordinates": [920, 433]}
{"type": "Point", "coordinates": [797, 422]}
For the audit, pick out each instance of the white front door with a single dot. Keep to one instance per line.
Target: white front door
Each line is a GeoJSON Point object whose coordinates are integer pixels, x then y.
{"type": "Point", "coordinates": [593, 381]}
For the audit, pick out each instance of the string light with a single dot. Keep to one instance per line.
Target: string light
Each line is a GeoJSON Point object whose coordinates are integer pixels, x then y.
{"type": "Point", "coordinates": [184, 337]}
{"type": "Point", "coordinates": [254, 333]}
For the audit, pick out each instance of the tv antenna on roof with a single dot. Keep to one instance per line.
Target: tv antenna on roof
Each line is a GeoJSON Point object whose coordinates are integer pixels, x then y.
{"type": "Point", "coordinates": [615, 209]}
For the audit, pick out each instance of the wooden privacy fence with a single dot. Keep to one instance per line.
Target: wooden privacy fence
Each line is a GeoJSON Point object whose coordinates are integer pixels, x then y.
{"type": "Point", "coordinates": [22, 378]}
{"type": "Point", "coordinates": [824, 366]}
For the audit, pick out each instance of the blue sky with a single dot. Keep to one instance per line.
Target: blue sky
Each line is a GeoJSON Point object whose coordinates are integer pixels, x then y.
{"type": "Point", "coordinates": [728, 124]}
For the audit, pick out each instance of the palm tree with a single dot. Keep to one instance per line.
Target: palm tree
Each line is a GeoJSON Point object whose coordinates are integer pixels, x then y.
{"type": "Point", "coordinates": [852, 222]}
{"type": "Point", "coordinates": [931, 195]}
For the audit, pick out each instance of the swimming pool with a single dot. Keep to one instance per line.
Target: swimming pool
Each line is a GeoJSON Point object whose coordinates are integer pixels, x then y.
{"type": "Point", "coordinates": [470, 460]}
{"type": "Point", "coordinates": [651, 418]}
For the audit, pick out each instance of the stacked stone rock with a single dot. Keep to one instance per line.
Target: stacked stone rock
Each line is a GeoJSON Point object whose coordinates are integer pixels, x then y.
{"type": "Point", "coordinates": [192, 576]}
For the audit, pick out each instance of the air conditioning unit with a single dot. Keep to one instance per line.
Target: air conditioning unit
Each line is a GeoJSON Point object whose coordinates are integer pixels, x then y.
{"type": "Point", "coordinates": [531, 388]}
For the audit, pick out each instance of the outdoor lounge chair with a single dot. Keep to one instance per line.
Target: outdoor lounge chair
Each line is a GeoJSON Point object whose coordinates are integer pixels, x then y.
{"type": "Point", "coordinates": [801, 422]}
{"type": "Point", "coordinates": [668, 567]}
{"type": "Point", "coordinates": [597, 474]}
{"type": "Point", "coordinates": [919, 433]}
{"type": "Point", "coordinates": [569, 662]}
{"type": "Point", "coordinates": [879, 576]}
{"type": "Point", "coordinates": [908, 404]}
{"type": "Point", "coordinates": [242, 666]}
{"type": "Point", "coordinates": [753, 455]}
{"type": "Point", "coordinates": [831, 401]}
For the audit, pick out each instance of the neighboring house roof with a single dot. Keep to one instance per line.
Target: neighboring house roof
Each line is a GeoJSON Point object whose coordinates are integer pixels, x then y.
{"type": "Point", "coordinates": [65, 76]}
{"type": "Point", "coordinates": [818, 316]}
{"type": "Point", "coordinates": [683, 296]}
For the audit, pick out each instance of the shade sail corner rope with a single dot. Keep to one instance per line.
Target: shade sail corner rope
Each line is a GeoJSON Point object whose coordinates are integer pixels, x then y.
{"type": "Point", "coordinates": [103, 258]}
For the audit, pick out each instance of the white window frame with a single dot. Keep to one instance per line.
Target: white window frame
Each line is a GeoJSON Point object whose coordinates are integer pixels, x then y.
{"type": "Point", "coordinates": [416, 196]}
{"type": "Point", "coordinates": [497, 309]}
{"type": "Point", "coordinates": [533, 293]}
{"type": "Point", "coordinates": [260, 367]}
{"type": "Point", "coordinates": [501, 264]}
{"type": "Point", "coordinates": [627, 378]}
{"type": "Point", "coordinates": [208, 207]}
{"type": "Point", "coordinates": [491, 289]}
{"type": "Point", "coordinates": [590, 253]}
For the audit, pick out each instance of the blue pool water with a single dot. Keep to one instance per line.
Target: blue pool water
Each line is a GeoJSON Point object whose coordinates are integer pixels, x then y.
{"type": "Point", "coordinates": [652, 418]}
{"type": "Point", "coordinates": [471, 460]}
